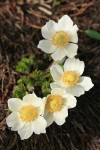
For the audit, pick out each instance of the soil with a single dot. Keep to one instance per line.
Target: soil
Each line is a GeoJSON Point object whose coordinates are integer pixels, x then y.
{"type": "Point", "coordinates": [20, 24]}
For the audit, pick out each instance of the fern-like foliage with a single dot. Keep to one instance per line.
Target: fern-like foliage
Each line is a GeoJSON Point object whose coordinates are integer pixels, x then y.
{"type": "Point", "coordinates": [31, 78]}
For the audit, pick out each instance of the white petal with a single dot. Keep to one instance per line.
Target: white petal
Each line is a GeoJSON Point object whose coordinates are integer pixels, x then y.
{"type": "Point", "coordinates": [72, 33]}
{"type": "Point", "coordinates": [46, 46]}
{"type": "Point", "coordinates": [72, 64]}
{"type": "Point", "coordinates": [32, 99]}
{"type": "Point", "coordinates": [43, 107]}
{"type": "Point", "coordinates": [75, 28]}
{"type": "Point", "coordinates": [61, 61]}
{"type": "Point", "coordinates": [40, 105]}
{"type": "Point", "coordinates": [58, 91]}
{"type": "Point", "coordinates": [18, 126]}
{"type": "Point", "coordinates": [14, 121]}
{"type": "Point", "coordinates": [59, 121]}
{"type": "Point", "coordinates": [76, 90]}
{"type": "Point", "coordinates": [38, 102]}
{"type": "Point", "coordinates": [56, 72]}
{"type": "Point", "coordinates": [48, 117]}
{"type": "Point", "coordinates": [59, 54]}
{"type": "Point", "coordinates": [86, 83]}
{"type": "Point", "coordinates": [52, 27]}
{"type": "Point", "coordinates": [71, 50]}
{"type": "Point", "coordinates": [28, 99]}
{"type": "Point", "coordinates": [46, 33]}
{"type": "Point", "coordinates": [15, 104]}
{"type": "Point", "coordinates": [73, 36]}
{"type": "Point", "coordinates": [55, 85]}
{"type": "Point", "coordinates": [26, 131]}
{"type": "Point", "coordinates": [70, 101]}
{"type": "Point", "coordinates": [65, 23]}
{"type": "Point", "coordinates": [40, 125]}
{"type": "Point", "coordinates": [59, 117]}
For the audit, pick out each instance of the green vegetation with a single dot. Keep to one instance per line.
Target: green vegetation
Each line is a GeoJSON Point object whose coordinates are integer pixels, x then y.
{"type": "Point", "coordinates": [31, 78]}
{"type": "Point", "coordinates": [57, 1]}
{"type": "Point", "coordinates": [19, 91]}
{"type": "Point", "coordinates": [93, 34]}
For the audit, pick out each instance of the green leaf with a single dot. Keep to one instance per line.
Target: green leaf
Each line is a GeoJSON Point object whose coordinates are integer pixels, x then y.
{"type": "Point", "coordinates": [93, 34]}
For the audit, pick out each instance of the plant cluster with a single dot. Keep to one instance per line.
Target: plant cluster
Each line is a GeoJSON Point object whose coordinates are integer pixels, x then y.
{"type": "Point", "coordinates": [31, 78]}
{"type": "Point", "coordinates": [33, 113]}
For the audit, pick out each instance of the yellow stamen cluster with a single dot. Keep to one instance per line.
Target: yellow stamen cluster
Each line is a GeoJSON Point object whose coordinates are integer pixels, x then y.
{"type": "Point", "coordinates": [54, 103]}
{"type": "Point", "coordinates": [70, 78]}
{"type": "Point", "coordinates": [60, 39]}
{"type": "Point", "coordinates": [28, 113]}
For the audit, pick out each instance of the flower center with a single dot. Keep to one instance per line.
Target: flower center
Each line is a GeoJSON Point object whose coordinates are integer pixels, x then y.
{"type": "Point", "coordinates": [28, 113]}
{"type": "Point", "coordinates": [60, 39]}
{"type": "Point", "coordinates": [70, 78]}
{"type": "Point", "coordinates": [54, 103]}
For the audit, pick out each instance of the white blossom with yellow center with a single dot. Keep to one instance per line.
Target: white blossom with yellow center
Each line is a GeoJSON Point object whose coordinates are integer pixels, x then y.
{"type": "Point", "coordinates": [70, 78]}
{"type": "Point", "coordinates": [26, 116]}
{"type": "Point", "coordinates": [60, 38]}
{"type": "Point", "coordinates": [57, 105]}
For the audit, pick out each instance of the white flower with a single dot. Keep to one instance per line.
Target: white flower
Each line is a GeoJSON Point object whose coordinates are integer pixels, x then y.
{"type": "Point", "coordinates": [26, 116]}
{"type": "Point", "coordinates": [60, 38]}
{"type": "Point", "coordinates": [70, 78]}
{"type": "Point", "coordinates": [57, 105]}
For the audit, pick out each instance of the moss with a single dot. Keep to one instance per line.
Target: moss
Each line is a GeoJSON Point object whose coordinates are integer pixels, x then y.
{"type": "Point", "coordinates": [23, 66]}
{"type": "Point", "coordinates": [46, 88]}
{"type": "Point", "coordinates": [34, 80]}
{"type": "Point", "coordinates": [19, 91]}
